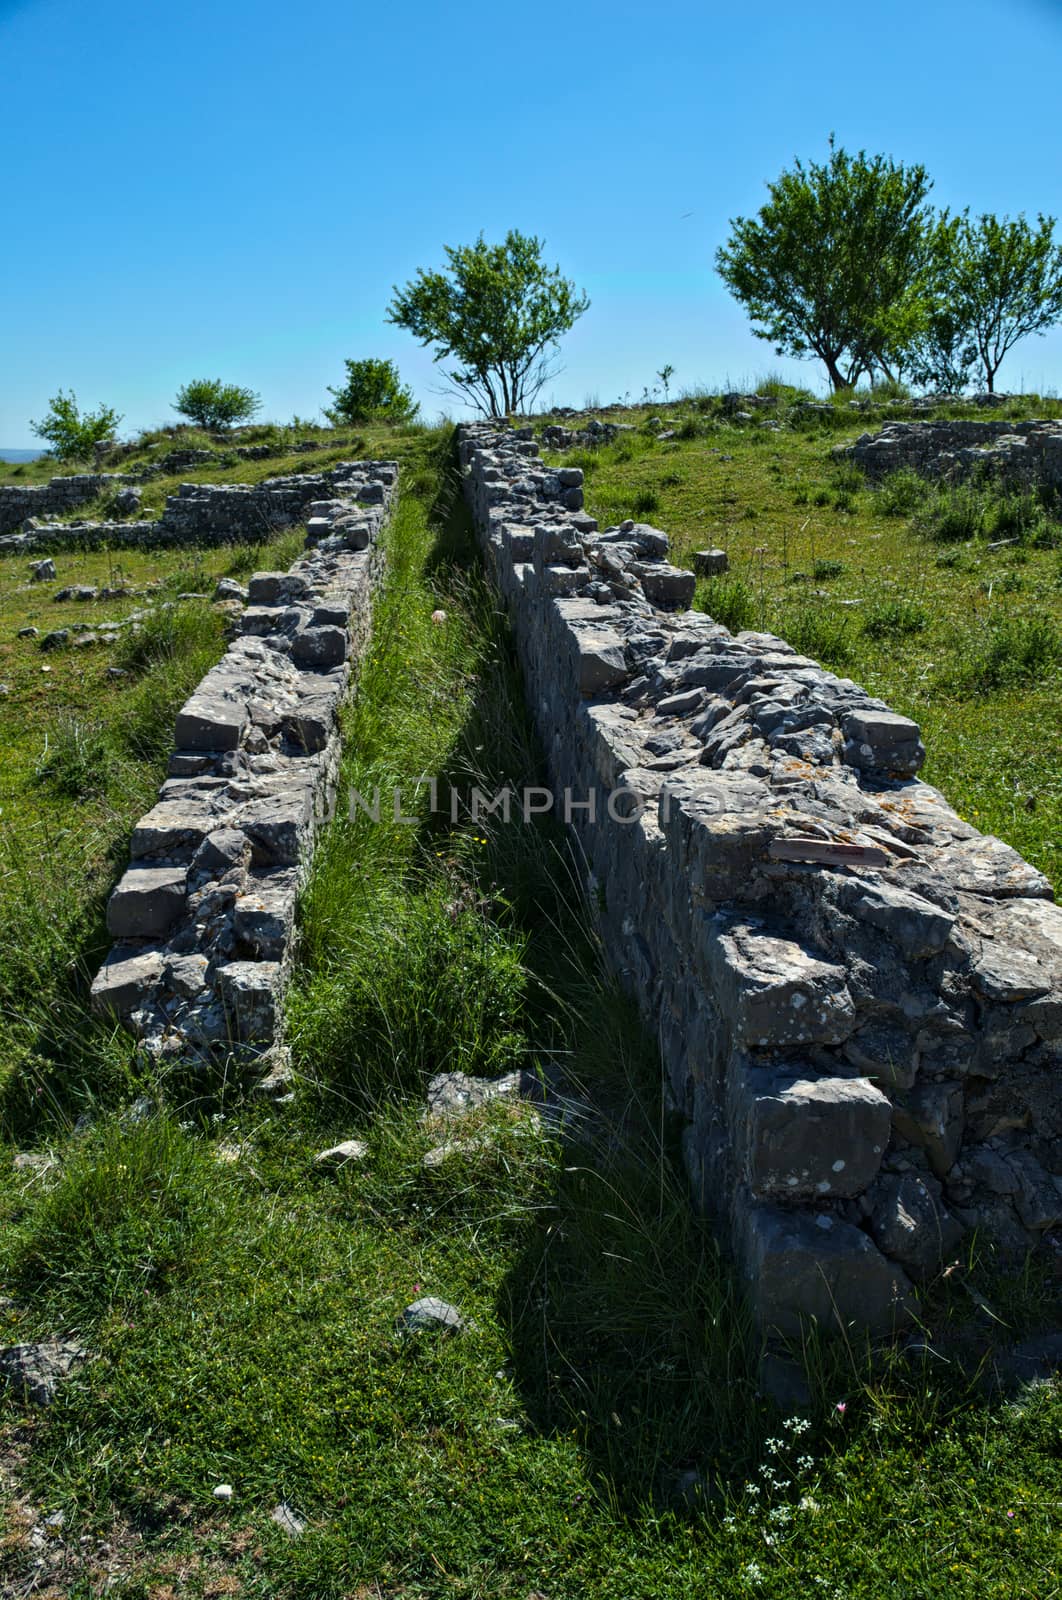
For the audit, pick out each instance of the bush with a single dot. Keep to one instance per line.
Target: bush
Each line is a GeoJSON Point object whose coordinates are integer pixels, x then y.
{"type": "Point", "coordinates": [824, 570]}
{"type": "Point", "coordinates": [1005, 651]}
{"type": "Point", "coordinates": [71, 436]}
{"type": "Point", "coordinates": [902, 493]}
{"type": "Point", "coordinates": [893, 619]}
{"type": "Point", "coordinates": [729, 601]}
{"type": "Point", "coordinates": [821, 634]}
{"type": "Point", "coordinates": [169, 632]}
{"type": "Point", "coordinates": [373, 392]}
{"type": "Point", "coordinates": [957, 514]}
{"type": "Point", "coordinates": [211, 404]}
{"type": "Point", "coordinates": [645, 502]}
{"type": "Point", "coordinates": [76, 760]}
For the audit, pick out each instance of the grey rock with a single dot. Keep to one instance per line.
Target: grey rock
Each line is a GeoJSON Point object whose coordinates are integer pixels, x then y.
{"type": "Point", "coordinates": [287, 1520]}
{"type": "Point", "coordinates": [430, 1313]}
{"type": "Point", "coordinates": [28, 633]}
{"type": "Point", "coordinates": [42, 571]}
{"type": "Point", "coordinates": [911, 1225]}
{"type": "Point", "coordinates": [338, 1155]}
{"type": "Point", "coordinates": [932, 1117]}
{"type": "Point", "coordinates": [808, 1138]}
{"type": "Point", "coordinates": [146, 902]}
{"type": "Point", "coordinates": [35, 1371]}
{"type": "Point", "coordinates": [56, 639]}
{"type": "Point", "coordinates": [710, 563]}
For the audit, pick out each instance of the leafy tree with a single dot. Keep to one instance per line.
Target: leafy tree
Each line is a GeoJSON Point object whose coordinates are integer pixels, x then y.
{"type": "Point", "coordinates": [498, 311]}
{"type": "Point", "coordinates": [941, 354]}
{"type": "Point", "coordinates": [373, 391]}
{"type": "Point", "coordinates": [997, 282]}
{"type": "Point", "coordinates": [833, 266]}
{"type": "Point", "coordinates": [71, 436]}
{"type": "Point", "coordinates": [209, 403]}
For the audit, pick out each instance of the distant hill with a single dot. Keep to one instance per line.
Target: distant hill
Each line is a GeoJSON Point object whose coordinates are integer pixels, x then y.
{"type": "Point", "coordinates": [20, 455]}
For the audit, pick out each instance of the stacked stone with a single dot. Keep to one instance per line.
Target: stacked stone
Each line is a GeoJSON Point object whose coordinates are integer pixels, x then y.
{"type": "Point", "coordinates": [21, 500]}
{"type": "Point", "coordinates": [204, 916]}
{"type": "Point", "coordinates": [213, 513]}
{"type": "Point", "coordinates": [1023, 454]}
{"type": "Point", "coordinates": [858, 997]}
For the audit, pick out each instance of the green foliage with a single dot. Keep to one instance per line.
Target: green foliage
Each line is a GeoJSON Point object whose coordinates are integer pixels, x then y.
{"type": "Point", "coordinates": [76, 760]}
{"type": "Point", "coordinates": [832, 266]}
{"type": "Point", "coordinates": [645, 502]}
{"type": "Point", "coordinates": [824, 570]}
{"type": "Point", "coordinates": [498, 311]}
{"type": "Point", "coordinates": [168, 632]}
{"type": "Point", "coordinates": [901, 493]}
{"type": "Point", "coordinates": [993, 282]}
{"type": "Point", "coordinates": [892, 619]}
{"type": "Point", "coordinates": [70, 435]}
{"type": "Point", "coordinates": [1004, 651]}
{"type": "Point", "coordinates": [957, 513]}
{"type": "Point", "coordinates": [822, 633]}
{"type": "Point", "coordinates": [729, 601]}
{"type": "Point", "coordinates": [214, 405]}
{"type": "Point", "coordinates": [120, 1220]}
{"type": "Point", "coordinates": [373, 392]}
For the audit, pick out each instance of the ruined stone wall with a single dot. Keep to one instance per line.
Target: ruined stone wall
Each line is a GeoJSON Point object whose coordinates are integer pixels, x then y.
{"type": "Point", "coordinates": [858, 997]}
{"type": "Point", "coordinates": [60, 495]}
{"type": "Point", "coordinates": [203, 919]}
{"type": "Point", "coordinates": [210, 513]}
{"type": "Point", "coordinates": [1025, 454]}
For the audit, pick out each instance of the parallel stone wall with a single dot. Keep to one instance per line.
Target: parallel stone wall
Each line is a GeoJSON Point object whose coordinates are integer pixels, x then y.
{"type": "Point", "coordinates": [1025, 454]}
{"type": "Point", "coordinates": [858, 997]}
{"type": "Point", "coordinates": [203, 919]}
{"type": "Point", "coordinates": [19, 501]}
{"type": "Point", "coordinates": [209, 513]}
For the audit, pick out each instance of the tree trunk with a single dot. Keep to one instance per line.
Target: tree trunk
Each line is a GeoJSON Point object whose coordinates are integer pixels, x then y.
{"type": "Point", "coordinates": [836, 376]}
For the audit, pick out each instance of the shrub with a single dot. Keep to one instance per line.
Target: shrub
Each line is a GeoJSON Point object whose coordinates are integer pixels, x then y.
{"type": "Point", "coordinates": [211, 404]}
{"type": "Point", "coordinates": [893, 619]}
{"type": "Point", "coordinates": [729, 601]}
{"type": "Point", "coordinates": [373, 392]}
{"type": "Point", "coordinates": [1003, 652]}
{"type": "Point", "coordinates": [645, 502]}
{"type": "Point", "coordinates": [71, 436]}
{"type": "Point", "coordinates": [1022, 516]}
{"type": "Point", "coordinates": [901, 493]}
{"type": "Point", "coordinates": [821, 634]}
{"type": "Point", "coordinates": [957, 514]}
{"type": "Point", "coordinates": [76, 760]}
{"type": "Point", "coordinates": [169, 632]}
{"type": "Point", "coordinates": [823, 570]}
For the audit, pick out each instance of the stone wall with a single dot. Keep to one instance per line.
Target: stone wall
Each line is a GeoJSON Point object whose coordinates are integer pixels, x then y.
{"type": "Point", "coordinates": [60, 495]}
{"type": "Point", "coordinates": [1025, 454]}
{"type": "Point", "coordinates": [213, 513]}
{"type": "Point", "coordinates": [858, 997]}
{"type": "Point", "coordinates": [203, 919]}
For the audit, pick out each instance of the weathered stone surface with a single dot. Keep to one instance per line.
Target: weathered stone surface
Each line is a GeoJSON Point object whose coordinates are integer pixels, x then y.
{"type": "Point", "coordinates": [814, 1267]}
{"type": "Point", "coordinates": [146, 902]}
{"type": "Point", "coordinates": [807, 1138]}
{"type": "Point", "coordinates": [35, 1371]}
{"type": "Point", "coordinates": [710, 563]}
{"type": "Point", "coordinates": [818, 940]}
{"type": "Point", "coordinates": [911, 1225]}
{"type": "Point", "coordinates": [338, 1155]}
{"type": "Point", "coordinates": [219, 860]}
{"type": "Point", "coordinates": [430, 1313]}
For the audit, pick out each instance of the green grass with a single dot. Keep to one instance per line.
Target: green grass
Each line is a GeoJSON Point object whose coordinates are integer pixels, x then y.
{"type": "Point", "coordinates": [597, 1431]}
{"type": "Point", "coordinates": [944, 601]}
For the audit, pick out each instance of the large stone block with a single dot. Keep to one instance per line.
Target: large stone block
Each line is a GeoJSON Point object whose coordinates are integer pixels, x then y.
{"type": "Point", "coordinates": [802, 1137]}
{"type": "Point", "coordinates": [146, 902]}
{"type": "Point", "coordinates": [805, 1268]}
{"type": "Point", "coordinates": [774, 991]}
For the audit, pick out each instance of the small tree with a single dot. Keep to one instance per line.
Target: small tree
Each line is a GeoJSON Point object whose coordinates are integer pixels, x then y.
{"type": "Point", "coordinates": [998, 282]}
{"type": "Point", "coordinates": [941, 354]}
{"type": "Point", "coordinates": [209, 403]}
{"type": "Point", "coordinates": [666, 373]}
{"type": "Point", "coordinates": [71, 436]}
{"type": "Point", "coordinates": [498, 311]}
{"type": "Point", "coordinates": [833, 265]}
{"type": "Point", "coordinates": [373, 392]}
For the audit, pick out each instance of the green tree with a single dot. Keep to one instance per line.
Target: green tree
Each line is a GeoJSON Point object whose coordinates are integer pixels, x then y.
{"type": "Point", "coordinates": [997, 282]}
{"type": "Point", "coordinates": [833, 266]}
{"type": "Point", "coordinates": [498, 312]}
{"type": "Point", "coordinates": [373, 392]}
{"type": "Point", "coordinates": [71, 436]}
{"type": "Point", "coordinates": [209, 403]}
{"type": "Point", "coordinates": [941, 354]}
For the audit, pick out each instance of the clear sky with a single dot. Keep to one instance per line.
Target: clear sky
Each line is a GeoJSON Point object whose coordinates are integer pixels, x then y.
{"type": "Point", "coordinates": [232, 189]}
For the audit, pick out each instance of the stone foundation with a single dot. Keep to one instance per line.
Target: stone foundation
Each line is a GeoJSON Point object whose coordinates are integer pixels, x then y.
{"type": "Point", "coordinates": [858, 997]}
{"type": "Point", "coordinates": [1022, 454]}
{"type": "Point", "coordinates": [203, 919]}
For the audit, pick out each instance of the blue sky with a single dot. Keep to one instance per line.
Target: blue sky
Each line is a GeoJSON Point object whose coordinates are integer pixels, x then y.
{"type": "Point", "coordinates": [233, 189]}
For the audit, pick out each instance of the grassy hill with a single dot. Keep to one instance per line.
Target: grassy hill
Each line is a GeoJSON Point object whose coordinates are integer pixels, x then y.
{"type": "Point", "coordinates": [598, 1428]}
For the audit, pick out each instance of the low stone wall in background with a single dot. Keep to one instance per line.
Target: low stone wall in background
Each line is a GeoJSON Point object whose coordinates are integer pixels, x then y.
{"type": "Point", "coordinates": [210, 513]}
{"type": "Point", "coordinates": [1023, 454]}
{"type": "Point", "coordinates": [21, 500]}
{"type": "Point", "coordinates": [203, 919]}
{"type": "Point", "coordinates": [858, 997]}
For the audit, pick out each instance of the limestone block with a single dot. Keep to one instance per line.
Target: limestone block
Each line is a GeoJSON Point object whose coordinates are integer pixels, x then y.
{"type": "Point", "coordinates": [146, 902]}
{"type": "Point", "coordinates": [911, 1225]}
{"type": "Point", "coordinates": [250, 995]}
{"type": "Point", "coordinates": [800, 1267]}
{"type": "Point", "coordinates": [125, 979]}
{"type": "Point", "coordinates": [916, 925]}
{"type": "Point", "coordinates": [775, 992]}
{"type": "Point", "coordinates": [801, 1137]}
{"type": "Point", "coordinates": [933, 1117]}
